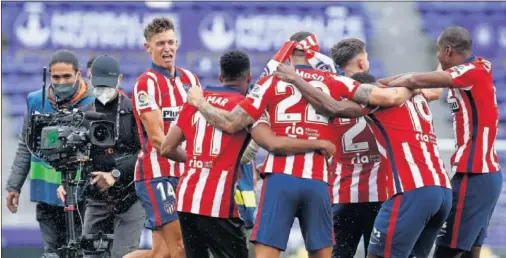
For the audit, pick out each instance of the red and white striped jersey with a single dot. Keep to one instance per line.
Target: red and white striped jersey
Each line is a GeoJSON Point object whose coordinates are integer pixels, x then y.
{"type": "Point", "coordinates": [212, 159]}
{"type": "Point", "coordinates": [157, 90]}
{"type": "Point", "coordinates": [291, 115]}
{"type": "Point", "coordinates": [475, 117]}
{"type": "Point", "coordinates": [360, 176]}
{"type": "Point", "coordinates": [406, 138]}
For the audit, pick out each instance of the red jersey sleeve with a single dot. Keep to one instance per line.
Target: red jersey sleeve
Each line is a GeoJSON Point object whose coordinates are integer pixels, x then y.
{"type": "Point", "coordinates": [255, 102]}
{"type": "Point", "coordinates": [467, 75]}
{"type": "Point", "coordinates": [145, 94]}
{"type": "Point", "coordinates": [264, 118]}
{"type": "Point", "coordinates": [184, 119]}
{"type": "Point", "coordinates": [342, 87]}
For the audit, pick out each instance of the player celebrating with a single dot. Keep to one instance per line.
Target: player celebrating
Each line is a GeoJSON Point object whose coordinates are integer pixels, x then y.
{"type": "Point", "coordinates": [351, 56]}
{"type": "Point", "coordinates": [416, 173]}
{"type": "Point", "coordinates": [207, 210]}
{"type": "Point", "coordinates": [359, 187]}
{"type": "Point", "coordinates": [472, 99]}
{"type": "Point", "coordinates": [358, 190]}
{"type": "Point", "coordinates": [289, 178]}
{"type": "Point", "coordinates": [158, 95]}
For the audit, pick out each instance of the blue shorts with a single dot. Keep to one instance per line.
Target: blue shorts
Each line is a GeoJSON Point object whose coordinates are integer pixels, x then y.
{"type": "Point", "coordinates": [474, 199]}
{"type": "Point", "coordinates": [284, 198]}
{"type": "Point", "coordinates": [158, 198]}
{"type": "Point", "coordinates": [408, 223]}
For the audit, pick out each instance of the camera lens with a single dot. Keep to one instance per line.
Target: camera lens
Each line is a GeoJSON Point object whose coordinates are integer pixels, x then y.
{"type": "Point", "coordinates": [101, 133]}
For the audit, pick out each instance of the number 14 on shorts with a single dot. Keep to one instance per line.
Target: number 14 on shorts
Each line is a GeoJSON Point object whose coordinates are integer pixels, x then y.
{"type": "Point", "coordinates": [165, 192]}
{"type": "Point", "coordinates": [168, 196]}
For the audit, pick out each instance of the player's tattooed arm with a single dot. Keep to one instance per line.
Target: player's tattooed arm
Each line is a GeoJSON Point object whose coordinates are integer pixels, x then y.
{"type": "Point", "coordinates": [323, 103]}
{"type": "Point", "coordinates": [170, 145]}
{"type": "Point", "coordinates": [436, 79]}
{"type": "Point", "coordinates": [388, 80]}
{"type": "Point", "coordinates": [368, 94]}
{"type": "Point", "coordinates": [230, 122]}
{"type": "Point", "coordinates": [227, 121]}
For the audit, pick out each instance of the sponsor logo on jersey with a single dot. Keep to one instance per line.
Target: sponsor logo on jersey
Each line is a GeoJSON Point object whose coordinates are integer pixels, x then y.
{"type": "Point", "coordinates": [143, 99]}
{"type": "Point", "coordinates": [453, 104]}
{"type": "Point", "coordinates": [170, 113]}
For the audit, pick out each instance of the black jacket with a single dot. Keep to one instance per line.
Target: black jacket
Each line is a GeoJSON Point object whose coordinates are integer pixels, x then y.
{"type": "Point", "coordinates": [123, 157]}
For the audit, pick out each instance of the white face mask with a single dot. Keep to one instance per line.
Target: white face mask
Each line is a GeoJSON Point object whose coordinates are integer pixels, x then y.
{"type": "Point", "coordinates": [104, 94]}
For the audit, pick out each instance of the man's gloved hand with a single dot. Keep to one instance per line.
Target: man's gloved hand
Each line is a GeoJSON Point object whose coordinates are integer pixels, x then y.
{"type": "Point", "coordinates": [12, 201]}
{"type": "Point", "coordinates": [103, 180]}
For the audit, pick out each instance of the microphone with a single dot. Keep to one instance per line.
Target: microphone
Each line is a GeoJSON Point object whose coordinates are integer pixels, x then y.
{"type": "Point", "coordinates": [91, 115]}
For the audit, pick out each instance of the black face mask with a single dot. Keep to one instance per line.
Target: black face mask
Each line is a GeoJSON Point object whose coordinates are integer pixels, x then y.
{"type": "Point", "coordinates": [64, 91]}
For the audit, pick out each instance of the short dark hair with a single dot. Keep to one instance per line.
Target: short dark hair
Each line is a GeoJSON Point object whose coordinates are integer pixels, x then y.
{"type": "Point", "coordinates": [456, 37]}
{"type": "Point", "coordinates": [301, 35]}
{"type": "Point", "coordinates": [234, 64]}
{"type": "Point", "coordinates": [158, 25]}
{"type": "Point", "coordinates": [364, 77]}
{"type": "Point", "coordinates": [90, 61]}
{"type": "Point", "coordinates": [345, 50]}
{"type": "Point", "coordinates": [65, 57]}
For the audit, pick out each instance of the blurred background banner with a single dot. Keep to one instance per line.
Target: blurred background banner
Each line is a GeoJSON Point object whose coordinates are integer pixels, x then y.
{"type": "Point", "coordinates": [205, 30]}
{"type": "Point", "coordinates": [400, 37]}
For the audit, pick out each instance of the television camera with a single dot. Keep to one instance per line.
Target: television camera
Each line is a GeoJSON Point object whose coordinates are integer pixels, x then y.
{"type": "Point", "coordinates": [68, 140]}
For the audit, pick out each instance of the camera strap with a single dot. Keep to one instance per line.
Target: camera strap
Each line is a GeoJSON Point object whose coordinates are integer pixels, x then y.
{"type": "Point", "coordinates": [117, 117]}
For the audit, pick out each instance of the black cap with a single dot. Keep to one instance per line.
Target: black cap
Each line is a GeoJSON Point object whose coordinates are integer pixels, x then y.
{"type": "Point", "coordinates": [105, 71]}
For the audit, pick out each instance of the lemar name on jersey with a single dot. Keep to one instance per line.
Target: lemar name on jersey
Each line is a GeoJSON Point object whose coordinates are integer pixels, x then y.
{"type": "Point", "coordinates": [291, 115]}
{"type": "Point", "coordinates": [212, 159]}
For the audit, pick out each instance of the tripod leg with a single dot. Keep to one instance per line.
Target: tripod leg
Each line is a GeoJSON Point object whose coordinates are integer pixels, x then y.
{"type": "Point", "coordinates": [70, 208]}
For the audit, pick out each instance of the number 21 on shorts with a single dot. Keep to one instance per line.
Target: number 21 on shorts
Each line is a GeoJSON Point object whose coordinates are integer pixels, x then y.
{"type": "Point", "coordinates": [165, 191]}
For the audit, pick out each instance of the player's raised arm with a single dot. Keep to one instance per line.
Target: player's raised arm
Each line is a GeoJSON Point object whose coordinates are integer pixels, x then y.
{"type": "Point", "coordinates": [323, 103]}
{"type": "Point", "coordinates": [385, 97]}
{"type": "Point", "coordinates": [436, 79]}
{"type": "Point", "coordinates": [388, 80]}
{"type": "Point", "coordinates": [369, 93]}
{"type": "Point", "coordinates": [228, 121]}
{"type": "Point", "coordinates": [247, 112]}
{"type": "Point", "coordinates": [461, 69]}
{"type": "Point", "coordinates": [414, 81]}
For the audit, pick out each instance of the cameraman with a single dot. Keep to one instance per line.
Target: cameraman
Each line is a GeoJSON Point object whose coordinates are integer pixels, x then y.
{"type": "Point", "coordinates": [112, 206]}
{"type": "Point", "coordinates": [67, 90]}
